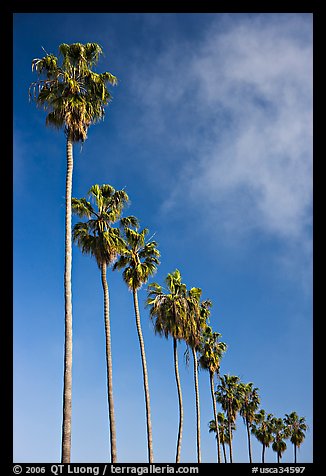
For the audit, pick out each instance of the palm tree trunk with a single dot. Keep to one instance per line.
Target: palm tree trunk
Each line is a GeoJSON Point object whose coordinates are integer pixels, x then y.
{"type": "Point", "coordinates": [145, 379]}
{"type": "Point", "coordinates": [295, 454]}
{"type": "Point", "coordinates": [230, 433]}
{"type": "Point", "coordinates": [249, 441]}
{"type": "Point", "coordinates": [211, 378]}
{"type": "Point", "coordinates": [197, 404]}
{"type": "Point", "coordinates": [263, 454]}
{"type": "Point", "coordinates": [67, 383]}
{"type": "Point", "coordinates": [113, 440]}
{"type": "Point", "coordinates": [177, 378]}
{"type": "Point", "coordinates": [224, 452]}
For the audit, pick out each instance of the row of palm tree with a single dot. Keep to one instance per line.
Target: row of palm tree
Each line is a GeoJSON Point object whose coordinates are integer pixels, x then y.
{"type": "Point", "coordinates": [237, 397]}
{"type": "Point", "coordinates": [269, 429]}
{"type": "Point", "coordinates": [74, 97]}
{"type": "Point", "coordinates": [178, 312]}
{"type": "Point", "coordinates": [175, 311]}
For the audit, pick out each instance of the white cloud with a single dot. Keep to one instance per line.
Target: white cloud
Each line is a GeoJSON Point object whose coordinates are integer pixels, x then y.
{"type": "Point", "coordinates": [238, 104]}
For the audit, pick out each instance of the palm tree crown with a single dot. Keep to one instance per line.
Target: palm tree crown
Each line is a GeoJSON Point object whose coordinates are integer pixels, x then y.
{"type": "Point", "coordinates": [249, 401]}
{"type": "Point", "coordinates": [96, 236]}
{"type": "Point", "coordinates": [72, 93]}
{"type": "Point", "coordinates": [138, 258]}
{"type": "Point", "coordinates": [297, 427]}
{"type": "Point", "coordinates": [281, 432]}
{"type": "Point", "coordinates": [228, 395]}
{"type": "Point", "coordinates": [211, 350]}
{"type": "Point", "coordinates": [197, 314]}
{"type": "Point", "coordinates": [262, 428]}
{"type": "Point", "coordinates": [168, 309]}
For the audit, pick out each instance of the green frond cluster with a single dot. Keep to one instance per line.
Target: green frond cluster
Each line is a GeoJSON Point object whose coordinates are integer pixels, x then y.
{"type": "Point", "coordinates": [73, 95]}
{"type": "Point", "coordinates": [138, 258]}
{"type": "Point", "coordinates": [296, 427]}
{"type": "Point", "coordinates": [97, 236]}
{"type": "Point", "coordinates": [262, 427]}
{"type": "Point", "coordinates": [228, 395]}
{"type": "Point", "coordinates": [250, 401]}
{"type": "Point", "coordinates": [169, 310]}
{"type": "Point", "coordinates": [211, 350]}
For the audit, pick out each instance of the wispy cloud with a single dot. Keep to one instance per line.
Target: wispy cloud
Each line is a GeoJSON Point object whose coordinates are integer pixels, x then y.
{"type": "Point", "coordinates": [236, 106]}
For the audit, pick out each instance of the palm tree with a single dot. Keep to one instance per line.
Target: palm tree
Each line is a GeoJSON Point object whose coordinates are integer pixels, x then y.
{"type": "Point", "coordinates": [262, 428]}
{"type": "Point", "coordinates": [297, 427]}
{"type": "Point", "coordinates": [250, 402]}
{"type": "Point", "coordinates": [195, 323]}
{"type": "Point", "coordinates": [223, 426]}
{"type": "Point", "coordinates": [139, 260]}
{"type": "Point", "coordinates": [281, 432]}
{"type": "Point", "coordinates": [211, 353]}
{"type": "Point", "coordinates": [74, 97]}
{"type": "Point", "coordinates": [98, 238]}
{"type": "Point", "coordinates": [168, 309]}
{"type": "Point", "coordinates": [227, 395]}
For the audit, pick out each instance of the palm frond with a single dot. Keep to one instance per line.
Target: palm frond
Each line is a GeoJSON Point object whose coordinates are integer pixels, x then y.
{"type": "Point", "coordinates": [130, 221]}
{"type": "Point", "coordinates": [82, 208]}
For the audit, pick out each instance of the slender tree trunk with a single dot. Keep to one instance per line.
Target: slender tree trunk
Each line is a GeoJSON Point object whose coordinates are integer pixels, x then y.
{"type": "Point", "coordinates": [263, 454]}
{"type": "Point", "coordinates": [211, 378]}
{"type": "Point", "coordinates": [197, 404]}
{"type": "Point", "coordinates": [113, 440]}
{"type": "Point", "coordinates": [249, 440]}
{"type": "Point", "coordinates": [145, 379]}
{"type": "Point", "coordinates": [224, 452]}
{"type": "Point", "coordinates": [177, 379]}
{"type": "Point", "coordinates": [67, 383]}
{"type": "Point", "coordinates": [230, 433]}
{"type": "Point", "coordinates": [295, 454]}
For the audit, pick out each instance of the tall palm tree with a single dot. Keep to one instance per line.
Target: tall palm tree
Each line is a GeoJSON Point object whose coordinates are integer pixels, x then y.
{"type": "Point", "coordinates": [98, 238]}
{"type": "Point", "coordinates": [139, 260]}
{"type": "Point", "coordinates": [297, 427]}
{"type": "Point", "coordinates": [223, 426]}
{"type": "Point", "coordinates": [194, 325]}
{"type": "Point", "coordinates": [262, 428]}
{"type": "Point", "coordinates": [227, 395]}
{"type": "Point", "coordinates": [250, 402]}
{"type": "Point", "coordinates": [281, 432]}
{"type": "Point", "coordinates": [168, 310]}
{"type": "Point", "coordinates": [74, 97]}
{"type": "Point", "coordinates": [211, 353]}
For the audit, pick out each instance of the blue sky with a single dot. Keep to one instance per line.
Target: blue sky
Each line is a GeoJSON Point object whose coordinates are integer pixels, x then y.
{"type": "Point", "coordinates": [210, 133]}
